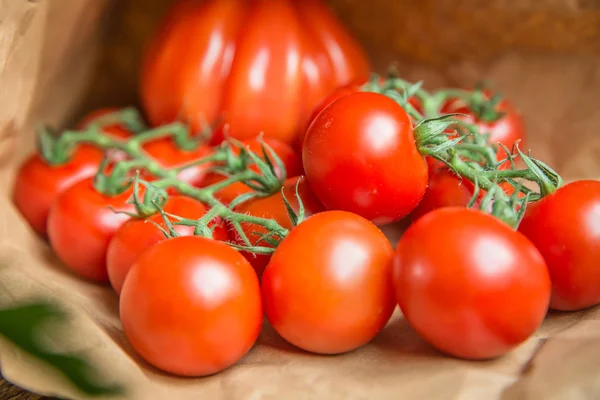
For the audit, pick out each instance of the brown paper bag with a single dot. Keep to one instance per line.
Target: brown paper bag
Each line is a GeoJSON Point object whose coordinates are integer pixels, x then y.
{"type": "Point", "coordinates": [544, 55]}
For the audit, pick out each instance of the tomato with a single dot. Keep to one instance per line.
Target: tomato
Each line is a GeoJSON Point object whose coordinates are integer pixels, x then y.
{"type": "Point", "coordinates": [167, 153]}
{"type": "Point", "coordinates": [327, 288]}
{"type": "Point", "coordinates": [565, 227]}
{"type": "Point", "coordinates": [445, 189]}
{"type": "Point", "coordinates": [507, 130]}
{"type": "Point", "coordinates": [469, 284]}
{"type": "Point", "coordinates": [260, 65]}
{"type": "Point", "coordinates": [288, 156]}
{"type": "Point", "coordinates": [360, 156]}
{"type": "Point", "coordinates": [191, 306]}
{"type": "Point", "coordinates": [137, 235]}
{"type": "Point", "coordinates": [81, 224]}
{"type": "Point", "coordinates": [273, 207]}
{"type": "Point", "coordinates": [115, 130]}
{"type": "Point", "coordinates": [38, 183]}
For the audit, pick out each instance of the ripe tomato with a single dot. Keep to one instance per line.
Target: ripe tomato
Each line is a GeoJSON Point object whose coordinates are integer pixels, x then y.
{"type": "Point", "coordinates": [359, 155]}
{"type": "Point", "coordinates": [272, 61]}
{"type": "Point", "coordinates": [327, 288]}
{"type": "Point", "coordinates": [468, 284]}
{"type": "Point", "coordinates": [38, 183]}
{"type": "Point", "coordinates": [273, 207]}
{"type": "Point", "coordinates": [445, 189]}
{"type": "Point", "coordinates": [565, 227]}
{"type": "Point", "coordinates": [290, 159]}
{"type": "Point", "coordinates": [137, 235]}
{"type": "Point", "coordinates": [191, 306]}
{"type": "Point", "coordinates": [167, 153]}
{"type": "Point", "coordinates": [115, 130]}
{"type": "Point", "coordinates": [81, 224]}
{"type": "Point", "coordinates": [507, 130]}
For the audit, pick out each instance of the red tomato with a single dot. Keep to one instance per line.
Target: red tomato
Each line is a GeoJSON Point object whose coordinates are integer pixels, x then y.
{"type": "Point", "coordinates": [81, 224]}
{"type": "Point", "coordinates": [327, 288]}
{"type": "Point", "coordinates": [565, 227]}
{"type": "Point", "coordinates": [273, 207]}
{"type": "Point", "coordinates": [115, 130]}
{"type": "Point", "coordinates": [167, 153]}
{"type": "Point", "coordinates": [360, 156]}
{"type": "Point", "coordinates": [507, 130]}
{"type": "Point", "coordinates": [290, 159]}
{"type": "Point", "coordinates": [468, 284]}
{"type": "Point", "coordinates": [37, 183]}
{"type": "Point", "coordinates": [191, 306]}
{"type": "Point", "coordinates": [261, 65]}
{"type": "Point", "coordinates": [137, 235]}
{"type": "Point", "coordinates": [445, 189]}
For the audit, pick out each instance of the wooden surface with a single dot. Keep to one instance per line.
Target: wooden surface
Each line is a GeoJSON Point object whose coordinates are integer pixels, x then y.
{"type": "Point", "coordinates": [10, 392]}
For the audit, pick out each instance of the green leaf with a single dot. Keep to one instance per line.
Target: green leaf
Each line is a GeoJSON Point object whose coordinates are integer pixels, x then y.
{"type": "Point", "coordinates": [22, 324]}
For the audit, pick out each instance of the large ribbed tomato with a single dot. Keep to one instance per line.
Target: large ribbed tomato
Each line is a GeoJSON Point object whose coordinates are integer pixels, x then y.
{"type": "Point", "coordinates": [260, 65]}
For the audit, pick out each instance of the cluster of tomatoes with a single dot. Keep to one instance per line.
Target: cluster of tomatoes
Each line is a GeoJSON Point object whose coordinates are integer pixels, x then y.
{"type": "Point", "coordinates": [191, 304]}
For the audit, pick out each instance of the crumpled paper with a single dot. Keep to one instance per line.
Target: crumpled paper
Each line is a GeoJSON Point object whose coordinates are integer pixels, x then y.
{"type": "Point", "coordinates": [47, 50]}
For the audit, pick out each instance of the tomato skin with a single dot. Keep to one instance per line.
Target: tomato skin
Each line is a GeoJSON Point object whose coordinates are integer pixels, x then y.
{"type": "Point", "coordinates": [327, 288]}
{"type": "Point", "coordinates": [259, 66]}
{"type": "Point", "coordinates": [38, 184]}
{"type": "Point", "coordinates": [507, 130]}
{"type": "Point", "coordinates": [288, 156]}
{"type": "Point", "coordinates": [80, 226]}
{"type": "Point", "coordinates": [483, 291]}
{"type": "Point", "coordinates": [348, 153]}
{"type": "Point", "coordinates": [137, 235]}
{"type": "Point", "coordinates": [444, 189]}
{"type": "Point", "coordinates": [191, 306]}
{"type": "Point", "coordinates": [564, 227]}
{"type": "Point", "coordinates": [167, 153]}
{"type": "Point", "coordinates": [273, 207]}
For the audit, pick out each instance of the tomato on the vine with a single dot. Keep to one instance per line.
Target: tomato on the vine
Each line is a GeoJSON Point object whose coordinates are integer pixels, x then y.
{"type": "Point", "coordinates": [565, 227]}
{"type": "Point", "coordinates": [168, 154]}
{"type": "Point", "coordinates": [191, 306]}
{"type": "Point", "coordinates": [360, 155]}
{"type": "Point", "coordinates": [272, 62]}
{"type": "Point", "coordinates": [327, 288]}
{"type": "Point", "coordinates": [137, 235]}
{"type": "Point", "coordinates": [288, 156]}
{"type": "Point", "coordinates": [115, 130]}
{"type": "Point", "coordinates": [469, 284]}
{"type": "Point", "coordinates": [507, 130]}
{"type": "Point", "coordinates": [81, 223]}
{"type": "Point", "coordinates": [273, 207]}
{"type": "Point", "coordinates": [38, 183]}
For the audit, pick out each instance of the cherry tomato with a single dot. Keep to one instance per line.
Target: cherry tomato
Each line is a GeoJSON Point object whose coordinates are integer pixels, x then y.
{"type": "Point", "coordinates": [191, 306]}
{"type": "Point", "coordinates": [81, 224]}
{"type": "Point", "coordinates": [38, 183]}
{"type": "Point", "coordinates": [290, 159]}
{"type": "Point", "coordinates": [445, 189]}
{"type": "Point", "coordinates": [137, 235]}
{"type": "Point", "coordinates": [359, 155]}
{"type": "Point", "coordinates": [507, 130]}
{"type": "Point", "coordinates": [273, 207]}
{"type": "Point", "coordinates": [469, 284]}
{"type": "Point", "coordinates": [565, 227]}
{"type": "Point", "coordinates": [327, 288]}
{"type": "Point", "coordinates": [115, 130]}
{"type": "Point", "coordinates": [167, 153]}
{"type": "Point", "coordinates": [259, 65]}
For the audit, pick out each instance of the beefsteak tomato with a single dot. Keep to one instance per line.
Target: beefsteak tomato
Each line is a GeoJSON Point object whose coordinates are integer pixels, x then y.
{"type": "Point", "coordinates": [259, 66]}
